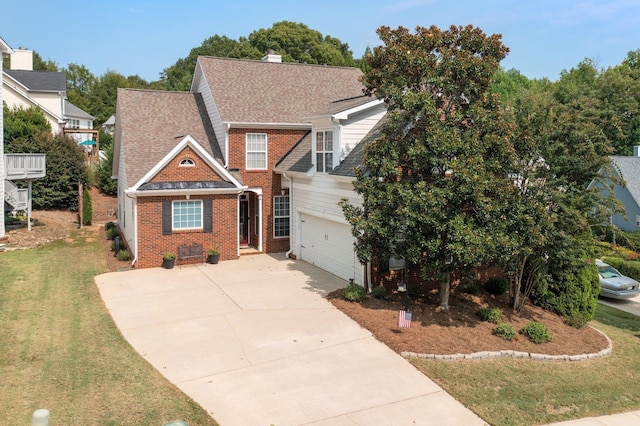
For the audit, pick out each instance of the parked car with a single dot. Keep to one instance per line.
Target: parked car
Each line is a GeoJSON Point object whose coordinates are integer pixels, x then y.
{"type": "Point", "coordinates": [615, 285]}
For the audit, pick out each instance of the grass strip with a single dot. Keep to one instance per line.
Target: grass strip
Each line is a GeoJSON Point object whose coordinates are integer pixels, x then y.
{"type": "Point", "coordinates": [60, 349]}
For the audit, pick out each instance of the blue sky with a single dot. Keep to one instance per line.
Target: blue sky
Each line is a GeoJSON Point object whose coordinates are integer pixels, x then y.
{"type": "Point", "coordinates": [144, 37]}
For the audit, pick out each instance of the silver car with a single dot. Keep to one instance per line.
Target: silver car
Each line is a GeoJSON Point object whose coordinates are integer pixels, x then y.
{"type": "Point", "coordinates": [615, 285]}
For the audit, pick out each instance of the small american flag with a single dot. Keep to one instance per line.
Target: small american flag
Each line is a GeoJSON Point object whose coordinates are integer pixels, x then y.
{"type": "Point", "coordinates": [404, 319]}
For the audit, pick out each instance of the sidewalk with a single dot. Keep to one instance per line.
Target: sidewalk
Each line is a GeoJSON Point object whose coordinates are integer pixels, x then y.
{"type": "Point", "coordinates": [254, 342]}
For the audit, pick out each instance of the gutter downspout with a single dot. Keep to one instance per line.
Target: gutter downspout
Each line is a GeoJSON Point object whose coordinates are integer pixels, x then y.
{"type": "Point", "coordinates": [226, 146]}
{"type": "Point", "coordinates": [290, 179]}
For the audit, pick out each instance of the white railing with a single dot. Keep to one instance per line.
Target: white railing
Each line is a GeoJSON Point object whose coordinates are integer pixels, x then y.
{"type": "Point", "coordinates": [16, 197]}
{"type": "Point", "coordinates": [25, 166]}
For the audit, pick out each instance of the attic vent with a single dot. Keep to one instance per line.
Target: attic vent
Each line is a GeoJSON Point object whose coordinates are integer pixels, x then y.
{"type": "Point", "coordinates": [187, 162]}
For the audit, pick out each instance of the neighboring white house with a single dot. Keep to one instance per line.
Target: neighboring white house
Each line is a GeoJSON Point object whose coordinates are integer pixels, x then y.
{"type": "Point", "coordinates": [24, 88]}
{"type": "Point", "coordinates": [15, 166]}
{"type": "Point", "coordinates": [627, 169]}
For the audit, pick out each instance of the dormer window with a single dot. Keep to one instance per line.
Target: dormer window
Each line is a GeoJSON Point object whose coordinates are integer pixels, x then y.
{"type": "Point", "coordinates": [324, 151]}
{"type": "Point", "coordinates": [187, 162]}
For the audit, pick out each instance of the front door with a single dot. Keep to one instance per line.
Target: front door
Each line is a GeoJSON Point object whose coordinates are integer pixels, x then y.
{"type": "Point", "coordinates": [243, 220]}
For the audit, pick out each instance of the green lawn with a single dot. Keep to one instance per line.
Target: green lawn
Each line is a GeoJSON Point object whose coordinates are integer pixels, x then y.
{"type": "Point", "coordinates": [60, 350]}
{"type": "Point", "coordinates": [524, 392]}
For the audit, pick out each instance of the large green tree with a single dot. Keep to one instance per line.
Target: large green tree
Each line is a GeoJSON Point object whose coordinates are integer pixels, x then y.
{"type": "Point", "coordinates": [435, 186]}
{"type": "Point", "coordinates": [27, 131]}
{"type": "Point", "coordinates": [293, 41]}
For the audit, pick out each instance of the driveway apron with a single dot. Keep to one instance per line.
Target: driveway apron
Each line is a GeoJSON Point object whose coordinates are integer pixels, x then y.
{"type": "Point", "coordinates": [255, 342]}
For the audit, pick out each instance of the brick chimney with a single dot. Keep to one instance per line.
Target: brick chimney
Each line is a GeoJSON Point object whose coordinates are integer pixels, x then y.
{"type": "Point", "coordinates": [22, 59]}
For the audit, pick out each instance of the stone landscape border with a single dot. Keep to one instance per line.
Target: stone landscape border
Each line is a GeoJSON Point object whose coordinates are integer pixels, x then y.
{"type": "Point", "coordinates": [516, 354]}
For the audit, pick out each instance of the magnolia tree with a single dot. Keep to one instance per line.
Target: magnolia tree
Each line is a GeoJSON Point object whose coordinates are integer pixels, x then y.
{"type": "Point", "coordinates": [436, 184]}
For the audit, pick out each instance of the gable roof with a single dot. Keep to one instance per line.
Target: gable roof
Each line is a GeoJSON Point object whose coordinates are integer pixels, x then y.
{"type": "Point", "coordinates": [298, 159]}
{"type": "Point", "coordinates": [40, 81]}
{"type": "Point", "coordinates": [152, 123]}
{"type": "Point", "coordinates": [70, 110]}
{"type": "Point", "coordinates": [629, 169]}
{"type": "Point", "coordinates": [275, 92]}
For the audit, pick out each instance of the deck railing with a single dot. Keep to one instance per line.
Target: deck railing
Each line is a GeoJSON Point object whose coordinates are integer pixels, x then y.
{"type": "Point", "coordinates": [25, 166]}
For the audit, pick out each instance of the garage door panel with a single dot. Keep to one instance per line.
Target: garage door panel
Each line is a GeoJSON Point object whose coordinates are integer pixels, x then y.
{"type": "Point", "coordinates": [329, 245]}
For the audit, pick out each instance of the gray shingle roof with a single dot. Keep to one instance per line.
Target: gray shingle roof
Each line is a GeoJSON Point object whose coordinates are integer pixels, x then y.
{"type": "Point", "coordinates": [73, 111]}
{"type": "Point", "coordinates": [298, 159]}
{"type": "Point", "coordinates": [154, 122]}
{"type": "Point", "coordinates": [273, 92]}
{"type": "Point", "coordinates": [356, 157]}
{"type": "Point", "coordinates": [40, 81]}
{"type": "Point", "coordinates": [629, 168]}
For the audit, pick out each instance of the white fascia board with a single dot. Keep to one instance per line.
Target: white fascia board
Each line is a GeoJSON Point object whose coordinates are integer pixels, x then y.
{"type": "Point", "coordinates": [5, 48]}
{"type": "Point", "coordinates": [197, 75]}
{"type": "Point", "coordinates": [254, 125]}
{"type": "Point", "coordinates": [343, 115]}
{"type": "Point", "coordinates": [171, 192]}
{"type": "Point", "coordinates": [191, 142]}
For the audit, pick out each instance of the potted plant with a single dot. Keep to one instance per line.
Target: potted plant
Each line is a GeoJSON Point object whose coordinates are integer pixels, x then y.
{"type": "Point", "coordinates": [168, 260]}
{"type": "Point", "coordinates": [213, 255]}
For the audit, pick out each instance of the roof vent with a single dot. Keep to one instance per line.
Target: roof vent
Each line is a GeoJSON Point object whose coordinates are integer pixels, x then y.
{"type": "Point", "coordinates": [271, 57]}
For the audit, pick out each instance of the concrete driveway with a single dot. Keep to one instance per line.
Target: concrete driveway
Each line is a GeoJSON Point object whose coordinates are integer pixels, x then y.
{"type": "Point", "coordinates": [631, 305]}
{"type": "Point", "coordinates": [255, 342]}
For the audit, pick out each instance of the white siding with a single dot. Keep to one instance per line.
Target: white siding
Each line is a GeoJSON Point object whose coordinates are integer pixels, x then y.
{"type": "Point", "coordinates": [356, 128]}
{"type": "Point", "coordinates": [15, 98]}
{"type": "Point", "coordinates": [201, 86]}
{"type": "Point", "coordinates": [318, 197]}
{"type": "Point", "coordinates": [126, 221]}
{"type": "Point", "coordinates": [2, 231]}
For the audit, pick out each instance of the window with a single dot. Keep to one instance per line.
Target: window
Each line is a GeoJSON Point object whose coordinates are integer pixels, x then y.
{"type": "Point", "coordinates": [324, 151]}
{"type": "Point", "coordinates": [638, 221]}
{"type": "Point", "coordinates": [256, 151]}
{"type": "Point", "coordinates": [187, 162]}
{"type": "Point", "coordinates": [281, 216]}
{"type": "Point", "coordinates": [187, 214]}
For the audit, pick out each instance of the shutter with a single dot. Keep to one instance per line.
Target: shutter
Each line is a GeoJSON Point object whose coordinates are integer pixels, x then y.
{"type": "Point", "coordinates": [207, 216]}
{"type": "Point", "coordinates": [166, 217]}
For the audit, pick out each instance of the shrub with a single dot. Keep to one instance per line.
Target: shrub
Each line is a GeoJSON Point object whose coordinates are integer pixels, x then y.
{"type": "Point", "coordinates": [379, 292]}
{"type": "Point", "coordinates": [504, 330]}
{"type": "Point", "coordinates": [538, 333]}
{"type": "Point", "coordinates": [123, 255]}
{"type": "Point", "coordinates": [354, 293]}
{"type": "Point", "coordinates": [576, 319]}
{"type": "Point", "coordinates": [112, 233]}
{"type": "Point", "coordinates": [109, 225]}
{"type": "Point", "coordinates": [497, 285]}
{"type": "Point", "coordinates": [470, 288]}
{"type": "Point", "coordinates": [87, 208]}
{"type": "Point", "coordinates": [169, 255]}
{"type": "Point", "coordinates": [493, 315]}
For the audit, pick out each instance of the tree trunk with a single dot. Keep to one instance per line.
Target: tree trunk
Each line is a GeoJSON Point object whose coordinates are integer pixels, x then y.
{"type": "Point", "coordinates": [445, 286]}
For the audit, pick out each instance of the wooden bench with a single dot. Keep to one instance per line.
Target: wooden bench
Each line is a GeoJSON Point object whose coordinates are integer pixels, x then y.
{"type": "Point", "coordinates": [190, 251]}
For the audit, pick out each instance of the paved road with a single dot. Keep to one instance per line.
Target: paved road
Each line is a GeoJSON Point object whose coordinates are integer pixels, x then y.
{"type": "Point", "coordinates": [255, 342]}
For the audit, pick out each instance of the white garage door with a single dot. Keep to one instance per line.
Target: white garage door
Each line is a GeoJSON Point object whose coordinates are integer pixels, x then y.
{"type": "Point", "coordinates": [329, 246]}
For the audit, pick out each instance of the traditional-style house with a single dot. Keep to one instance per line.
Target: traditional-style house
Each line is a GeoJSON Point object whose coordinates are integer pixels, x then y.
{"type": "Point", "coordinates": [25, 88]}
{"type": "Point", "coordinates": [627, 170]}
{"type": "Point", "coordinates": [15, 166]}
{"type": "Point", "coordinates": [198, 169]}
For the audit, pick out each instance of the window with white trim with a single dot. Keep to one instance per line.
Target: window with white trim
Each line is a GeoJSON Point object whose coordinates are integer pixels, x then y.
{"type": "Point", "coordinates": [281, 216]}
{"type": "Point", "coordinates": [324, 151]}
{"type": "Point", "coordinates": [187, 215]}
{"type": "Point", "coordinates": [256, 151]}
{"type": "Point", "coordinates": [187, 162]}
